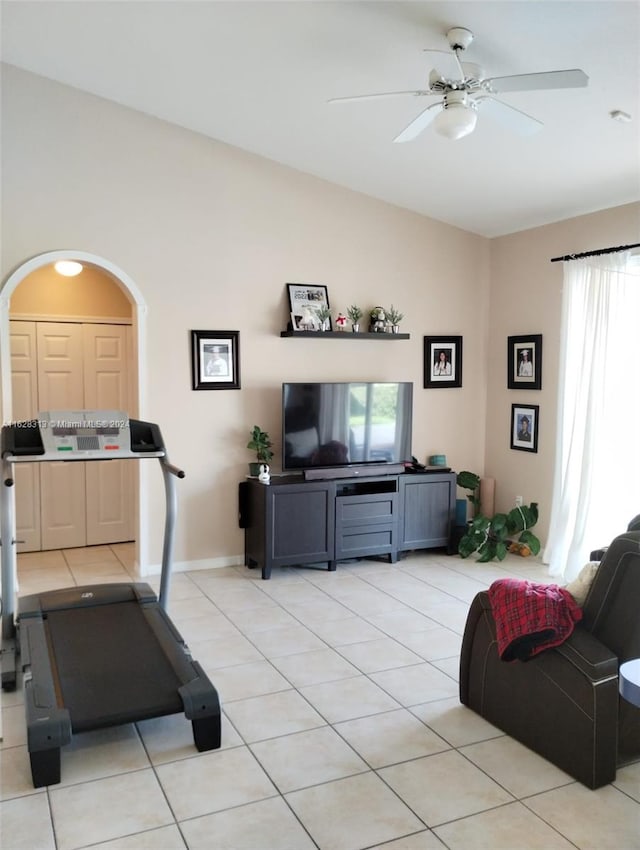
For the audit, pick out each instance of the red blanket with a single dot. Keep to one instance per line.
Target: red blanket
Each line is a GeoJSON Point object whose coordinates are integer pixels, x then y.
{"type": "Point", "coordinates": [531, 617]}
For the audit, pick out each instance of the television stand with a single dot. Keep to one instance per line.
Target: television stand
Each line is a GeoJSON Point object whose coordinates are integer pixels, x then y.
{"type": "Point", "coordinates": [294, 522]}
{"type": "Point", "coordinates": [363, 470]}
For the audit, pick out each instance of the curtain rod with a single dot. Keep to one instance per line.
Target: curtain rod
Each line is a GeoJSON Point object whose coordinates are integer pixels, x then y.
{"type": "Point", "coordinates": [593, 253]}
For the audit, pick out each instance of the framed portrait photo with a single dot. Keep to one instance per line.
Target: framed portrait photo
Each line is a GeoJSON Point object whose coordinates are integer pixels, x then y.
{"type": "Point", "coordinates": [442, 361]}
{"type": "Point", "coordinates": [215, 360]}
{"type": "Point", "coordinates": [305, 300]}
{"type": "Point", "coordinates": [524, 427]}
{"type": "Point", "coordinates": [524, 359]}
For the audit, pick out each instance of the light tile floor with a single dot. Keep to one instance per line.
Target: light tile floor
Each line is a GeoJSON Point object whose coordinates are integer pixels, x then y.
{"type": "Point", "coordinates": [342, 728]}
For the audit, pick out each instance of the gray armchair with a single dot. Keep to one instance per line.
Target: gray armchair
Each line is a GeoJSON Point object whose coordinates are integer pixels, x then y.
{"type": "Point", "coordinates": [564, 702]}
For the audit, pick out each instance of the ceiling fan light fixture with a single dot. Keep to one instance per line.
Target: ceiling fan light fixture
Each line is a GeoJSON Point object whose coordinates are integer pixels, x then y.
{"type": "Point", "coordinates": [456, 120]}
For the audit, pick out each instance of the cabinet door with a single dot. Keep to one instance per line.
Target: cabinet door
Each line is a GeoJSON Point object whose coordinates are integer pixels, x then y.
{"type": "Point", "coordinates": [428, 504]}
{"type": "Point", "coordinates": [110, 486]}
{"type": "Point", "coordinates": [60, 387]}
{"type": "Point", "coordinates": [24, 391]}
{"type": "Point", "coordinates": [300, 524]}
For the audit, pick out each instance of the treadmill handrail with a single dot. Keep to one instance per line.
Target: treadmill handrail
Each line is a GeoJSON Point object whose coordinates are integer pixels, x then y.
{"type": "Point", "coordinates": [8, 540]}
{"type": "Point", "coordinates": [169, 473]}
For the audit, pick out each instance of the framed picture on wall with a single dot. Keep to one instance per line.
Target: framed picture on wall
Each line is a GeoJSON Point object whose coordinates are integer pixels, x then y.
{"type": "Point", "coordinates": [524, 359]}
{"type": "Point", "coordinates": [305, 300]}
{"type": "Point", "coordinates": [215, 360]}
{"type": "Point", "coordinates": [442, 361]}
{"type": "Point", "coordinates": [524, 427]}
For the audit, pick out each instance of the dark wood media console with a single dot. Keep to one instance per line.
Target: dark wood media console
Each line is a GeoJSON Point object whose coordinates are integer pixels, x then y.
{"type": "Point", "coordinates": [292, 522]}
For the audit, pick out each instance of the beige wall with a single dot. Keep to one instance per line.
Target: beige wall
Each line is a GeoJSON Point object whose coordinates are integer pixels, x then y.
{"type": "Point", "coordinates": [92, 293]}
{"type": "Point", "coordinates": [210, 235]}
{"type": "Point", "coordinates": [526, 298]}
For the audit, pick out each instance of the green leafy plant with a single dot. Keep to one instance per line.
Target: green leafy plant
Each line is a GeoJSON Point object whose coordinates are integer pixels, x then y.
{"type": "Point", "coordinates": [354, 313]}
{"type": "Point", "coordinates": [323, 313]}
{"type": "Point", "coordinates": [261, 444]}
{"type": "Point", "coordinates": [470, 481]}
{"type": "Point", "coordinates": [394, 316]}
{"type": "Point", "coordinates": [492, 537]}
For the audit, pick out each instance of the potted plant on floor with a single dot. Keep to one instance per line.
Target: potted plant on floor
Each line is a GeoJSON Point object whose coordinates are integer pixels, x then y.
{"type": "Point", "coordinates": [492, 537]}
{"type": "Point", "coordinates": [261, 444]}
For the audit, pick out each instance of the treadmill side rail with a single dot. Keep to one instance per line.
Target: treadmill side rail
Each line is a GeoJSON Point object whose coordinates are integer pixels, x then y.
{"type": "Point", "coordinates": [199, 697]}
{"type": "Point", "coordinates": [48, 725]}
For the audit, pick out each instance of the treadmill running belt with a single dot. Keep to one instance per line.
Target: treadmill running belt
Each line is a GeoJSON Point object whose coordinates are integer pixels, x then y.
{"type": "Point", "coordinates": [111, 668]}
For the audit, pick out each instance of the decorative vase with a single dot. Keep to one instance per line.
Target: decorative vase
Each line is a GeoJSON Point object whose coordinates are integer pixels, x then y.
{"type": "Point", "coordinates": [355, 328]}
{"type": "Point", "coordinates": [395, 329]}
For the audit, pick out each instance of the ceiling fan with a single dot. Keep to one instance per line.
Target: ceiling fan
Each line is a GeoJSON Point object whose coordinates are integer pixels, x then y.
{"type": "Point", "coordinates": [455, 114]}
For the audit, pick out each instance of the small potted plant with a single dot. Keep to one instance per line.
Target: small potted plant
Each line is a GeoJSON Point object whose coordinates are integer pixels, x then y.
{"type": "Point", "coordinates": [355, 314]}
{"type": "Point", "coordinates": [261, 445]}
{"type": "Point", "coordinates": [324, 317]}
{"type": "Point", "coordinates": [394, 318]}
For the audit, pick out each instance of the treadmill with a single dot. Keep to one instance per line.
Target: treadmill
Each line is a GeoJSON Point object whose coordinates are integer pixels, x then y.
{"type": "Point", "coordinates": [102, 654]}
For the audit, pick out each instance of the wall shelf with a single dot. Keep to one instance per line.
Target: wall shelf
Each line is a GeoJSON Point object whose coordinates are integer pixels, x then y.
{"type": "Point", "coordinates": [342, 335]}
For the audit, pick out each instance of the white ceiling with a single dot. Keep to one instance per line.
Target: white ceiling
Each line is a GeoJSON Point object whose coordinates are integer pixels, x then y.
{"type": "Point", "coordinates": [258, 75]}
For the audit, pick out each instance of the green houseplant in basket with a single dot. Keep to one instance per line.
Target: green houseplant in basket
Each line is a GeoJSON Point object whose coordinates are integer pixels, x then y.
{"type": "Point", "coordinates": [260, 442]}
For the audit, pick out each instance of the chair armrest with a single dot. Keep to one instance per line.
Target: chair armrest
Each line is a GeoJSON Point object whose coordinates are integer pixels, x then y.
{"type": "Point", "coordinates": [581, 649]}
{"type": "Point", "coordinates": [588, 655]}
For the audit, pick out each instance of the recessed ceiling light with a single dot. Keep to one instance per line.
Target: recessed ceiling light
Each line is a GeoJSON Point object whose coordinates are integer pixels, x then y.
{"type": "Point", "coordinates": [619, 115]}
{"type": "Point", "coordinates": [68, 268]}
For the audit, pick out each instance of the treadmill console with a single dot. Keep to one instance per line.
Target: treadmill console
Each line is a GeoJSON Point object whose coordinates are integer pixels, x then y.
{"type": "Point", "coordinates": [82, 435]}
{"type": "Point", "coordinates": [90, 432]}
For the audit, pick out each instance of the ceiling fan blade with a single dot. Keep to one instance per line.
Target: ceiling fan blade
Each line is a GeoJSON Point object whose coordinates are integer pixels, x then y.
{"type": "Point", "coordinates": [449, 64]}
{"type": "Point", "coordinates": [376, 96]}
{"type": "Point", "coordinates": [510, 117]}
{"type": "Point", "coordinates": [419, 124]}
{"type": "Point", "coordinates": [570, 79]}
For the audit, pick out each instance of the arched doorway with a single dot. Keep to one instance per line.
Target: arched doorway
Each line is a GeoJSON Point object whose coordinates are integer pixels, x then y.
{"type": "Point", "coordinates": [138, 326]}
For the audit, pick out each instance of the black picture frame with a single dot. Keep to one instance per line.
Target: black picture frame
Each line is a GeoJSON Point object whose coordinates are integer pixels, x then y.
{"type": "Point", "coordinates": [215, 360]}
{"type": "Point", "coordinates": [524, 436]}
{"type": "Point", "coordinates": [524, 362]}
{"type": "Point", "coordinates": [442, 361]}
{"type": "Point", "coordinates": [305, 297]}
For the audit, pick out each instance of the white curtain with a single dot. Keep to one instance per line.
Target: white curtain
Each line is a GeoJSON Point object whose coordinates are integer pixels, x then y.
{"type": "Point", "coordinates": [595, 491]}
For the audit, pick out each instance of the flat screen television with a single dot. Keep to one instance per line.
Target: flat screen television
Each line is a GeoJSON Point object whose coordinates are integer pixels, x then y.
{"type": "Point", "coordinates": [339, 424]}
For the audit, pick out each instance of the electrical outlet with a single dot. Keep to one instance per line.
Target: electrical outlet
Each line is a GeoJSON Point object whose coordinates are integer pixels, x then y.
{"type": "Point", "coordinates": [518, 501]}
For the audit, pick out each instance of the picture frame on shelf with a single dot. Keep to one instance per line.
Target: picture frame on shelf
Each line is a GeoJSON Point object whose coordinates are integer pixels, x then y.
{"type": "Point", "coordinates": [301, 322]}
{"type": "Point", "coordinates": [524, 362]}
{"type": "Point", "coordinates": [215, 360]}
{"type": "Point", "coordinates": [442, 361]}
{"type": "Point", "coordinates": [305, 299]}
{"type": "Point", "coordinates": [524, 427]}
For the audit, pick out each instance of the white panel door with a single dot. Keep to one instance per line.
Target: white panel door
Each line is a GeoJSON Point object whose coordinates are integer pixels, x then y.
{"type": "Point", "coordinates": [24, 388]}
{"type": "Point", "coordinates": [110, 484]}
{"type": "Point", "coordinates": [61, 366]}
{"type": "Point", "coordinates": [61, 387]}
